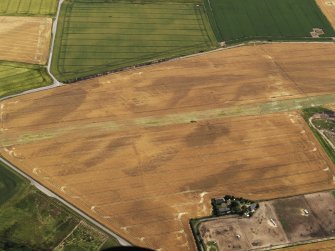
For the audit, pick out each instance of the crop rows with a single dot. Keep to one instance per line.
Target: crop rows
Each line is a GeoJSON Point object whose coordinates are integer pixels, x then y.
{"type": "Point", "coordinates": [240, 20]}
{"type": "Point", "coordinates": [99, 37]}
{"type": "Point", "coordinates": [28, 7]}
{"type": "Point", "coordinates": [15, 78]}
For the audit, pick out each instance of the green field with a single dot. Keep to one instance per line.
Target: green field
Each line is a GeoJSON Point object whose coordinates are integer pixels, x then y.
{"type": "Point", "coordinates": [28, 7]}
{"type": "Point", "coordinates": [235, 21]}
{"type": "Point", "coordinates": [105, 35]}
{"type": "Point", "coordinates": [9, 184]}
{"type": "Point", "coordinates": [19, 77]}
{"type": "Point", "coordinates": [29, 220]}
{"type": "Point", "coordinates": [83, 238]}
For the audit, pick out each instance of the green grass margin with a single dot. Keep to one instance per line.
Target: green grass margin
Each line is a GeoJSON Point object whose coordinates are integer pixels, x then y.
{"type": "Point", "coordinates": [309, 112]}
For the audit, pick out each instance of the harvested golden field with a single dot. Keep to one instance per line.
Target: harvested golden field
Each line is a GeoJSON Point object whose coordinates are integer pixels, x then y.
{"type": "Point", "coordinates": [145, 183]}
{"type": "Point", "coordinates": [328, 9]}
{"type": "Point", "coordinates": [25, 39]}
{"type": "Point", "coordinates": [114, 145]}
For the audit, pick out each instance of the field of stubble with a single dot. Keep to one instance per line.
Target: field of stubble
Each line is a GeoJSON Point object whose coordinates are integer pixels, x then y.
{"type": "Point", "coordinates": [25, 39]}
{"type": "Point", "coordinates": [100, 143]}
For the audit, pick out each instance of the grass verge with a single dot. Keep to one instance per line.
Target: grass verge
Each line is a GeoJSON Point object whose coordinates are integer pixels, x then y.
{"type": "Point", "coordinates": [309, 112]}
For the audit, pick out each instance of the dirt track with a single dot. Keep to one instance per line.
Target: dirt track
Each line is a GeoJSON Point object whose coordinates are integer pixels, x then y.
{"type": "Point", "coordinates": [145, 181]}
{"type": "Point", "coordinates": [25, 39]}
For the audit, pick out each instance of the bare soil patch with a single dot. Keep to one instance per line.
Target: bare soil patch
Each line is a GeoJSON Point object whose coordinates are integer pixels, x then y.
{"type": "Point", "coordinates": [297, 225]}
{"type": "Point", "coordinates": [318, 246]}
{"type": "Point", "coordinates": [245, 233]}
{"type": "Point", "coordinates": [25, 39]}
{"type": "Point", "coordinates": [280, 222]}
{"type": "Point", "coordinates": [324, 205]}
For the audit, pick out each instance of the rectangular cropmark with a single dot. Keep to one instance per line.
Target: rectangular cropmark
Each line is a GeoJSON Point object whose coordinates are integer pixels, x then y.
{"type": "Point", "coordinates": [95, 37]}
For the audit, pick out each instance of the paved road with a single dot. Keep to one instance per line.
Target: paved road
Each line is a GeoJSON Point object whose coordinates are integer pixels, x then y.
{"type": "Point", "coordinates": [56, 83]}
{"type": "Point", "coordinates": [54, 30]}
{"type": "Point", "coordinates": [48, 192]}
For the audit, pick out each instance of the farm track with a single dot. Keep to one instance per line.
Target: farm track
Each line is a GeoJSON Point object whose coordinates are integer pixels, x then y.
{"type": "Point", "coordinates": [54, 31]}
{"type": "Point", "coordinates": [107, 169]}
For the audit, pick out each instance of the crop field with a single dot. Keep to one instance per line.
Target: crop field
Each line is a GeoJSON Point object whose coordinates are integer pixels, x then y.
{"type": "Point", "coordinates": [101, 36]}
{"type": "Point", "coordinates": [32, 221]}
{"type": "Point", "coordinates": [28, 7]}
{"type": "Point", "coordinates": [25, 39]}
{"type": "Point", "coordinates": [9, 184]}
{"type": "Point", "coordinates": [127, 158]}
{"type": "Point", "coordinates": [235, 21]}
{"type": "Point", "coordinates": [169, 173]}
{"type": "Point", "coordinates": [19, 77]}
{"type": "Point", "coordinates": [328, 9]}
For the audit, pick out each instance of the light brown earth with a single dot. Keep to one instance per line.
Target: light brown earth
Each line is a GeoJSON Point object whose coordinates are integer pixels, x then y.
{"type": "Point", "coordinates": [25, 39]}
{"type": "Point", "coordinates": [319, 246]}
{"type": "Point", "coordinates": [297, 225]}
{"type": "Point", "coordinates": [95, 144]}
{"type": "Point", "coordinates": [328, 9]}
{"type": "Point", "coordinates": [291, 224]}
{"type": "Point", "coordinates": [324, 205]}
{"type": "Point", "coordinates": [255, 232]}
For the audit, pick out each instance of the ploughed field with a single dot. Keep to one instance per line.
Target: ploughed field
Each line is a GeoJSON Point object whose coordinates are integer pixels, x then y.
{"type": "Point", "coordinates": [113, 146]}
{"type": "Point", "coordinates": [25, 39]}
{"type": "Point", "coordinates": [97, 37]}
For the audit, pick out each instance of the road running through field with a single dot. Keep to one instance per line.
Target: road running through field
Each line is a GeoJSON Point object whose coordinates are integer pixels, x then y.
{"type": "Point", "coordinates": [51, 194]}
{"type": "Point", "coordinates": [40, 187]}
{"type": "Point", "coordinates": [54, 31]}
